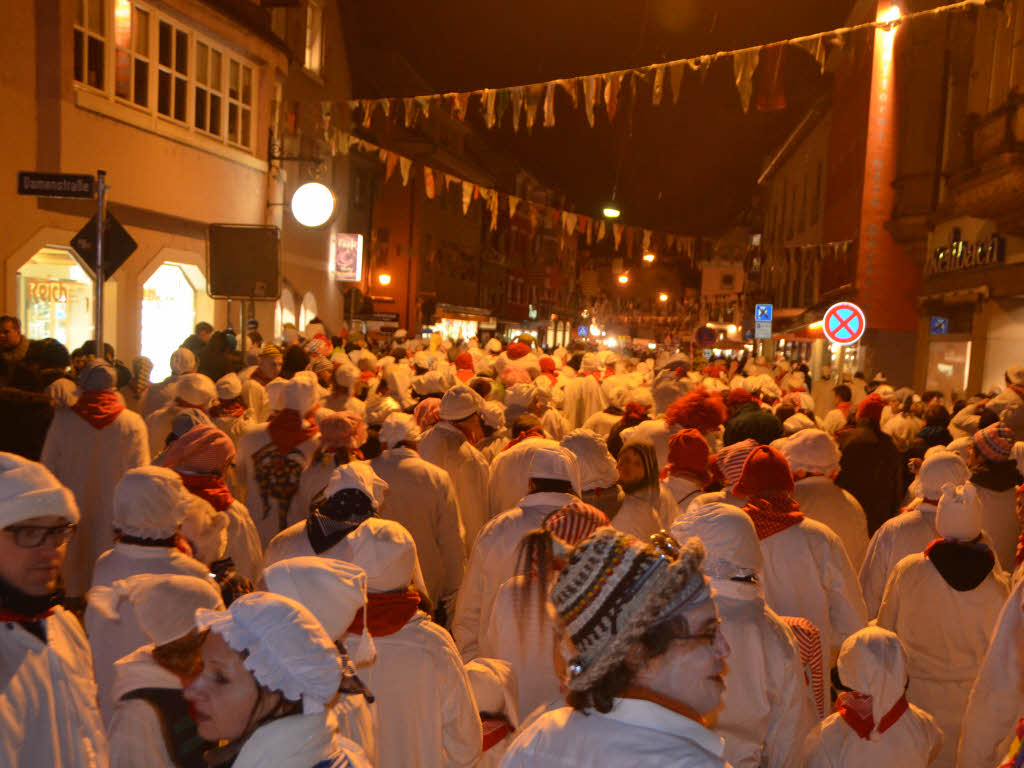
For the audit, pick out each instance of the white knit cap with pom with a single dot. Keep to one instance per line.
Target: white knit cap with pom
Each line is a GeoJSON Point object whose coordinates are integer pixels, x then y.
{"type": "Point", "coordinates": [959, 513]}
{"type": "Point", "coordinates": [28, 490]}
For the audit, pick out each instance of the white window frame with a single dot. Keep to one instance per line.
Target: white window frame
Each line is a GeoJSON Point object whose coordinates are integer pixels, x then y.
{"type": "Point", "coordinates": [314, 50]}
{"type": "Point", "coordinates": [179, 125]}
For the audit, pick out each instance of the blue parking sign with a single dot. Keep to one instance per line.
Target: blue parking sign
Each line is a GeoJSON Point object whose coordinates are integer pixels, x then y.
{"type": "Point", "coordinates": [939, 326]}
{"type": "Point", "coordinates": [762, 313]}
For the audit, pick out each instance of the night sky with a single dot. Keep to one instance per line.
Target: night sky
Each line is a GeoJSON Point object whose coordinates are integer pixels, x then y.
{"type": "Point", "coordinates": [689, 167]}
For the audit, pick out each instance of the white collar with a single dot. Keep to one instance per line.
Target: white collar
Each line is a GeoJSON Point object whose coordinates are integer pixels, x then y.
{"type": "Point", "coordinates": [647, 714]}
{"type": "Point", "coordinates": [547, 499]}
{"type": "Point", "coordinates": [143, 552]}
{"type": "Point", "coordinates": [292, 740]}
{"type": "Point", "coordinates": [815, 480]}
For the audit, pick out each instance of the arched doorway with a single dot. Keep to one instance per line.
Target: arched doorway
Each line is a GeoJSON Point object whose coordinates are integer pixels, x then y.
{"type": "Point", "coordinates": [307, 311]}
{"type": "Point", "coordinates": [168, 314]}
{"type": "Point", "coordinates": [55, 298]}
{"type": "Point", "coordinates": [284, 312]}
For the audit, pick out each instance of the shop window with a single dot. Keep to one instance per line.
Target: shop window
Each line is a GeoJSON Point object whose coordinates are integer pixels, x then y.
{"type": "Point", "coordinates": [55, 298]}
{"type": "Point", "coordinates": [168, 315]}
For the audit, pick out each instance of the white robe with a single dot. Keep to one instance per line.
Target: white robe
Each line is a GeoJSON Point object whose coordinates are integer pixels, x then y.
{"type": "Point", "coordinates": [299, 741]}
{"type": "Point", "coordinates": [642, 508]}
{"type": "Point", "coordinates": [601, 423]}
{"type": "Point", "coordinates": [807, 574]}
{"type": "Point", "coordinates": [999, 519]}
{"type": "Point", "coordinates": [509, 477]}
{"type": "Point", "coordinates": [91, 462]}
{"type": "Point", "coordinates": [683, 490]}
{"type": "Point", "coordinates": [903, 428]}
{"type": "Point", "coordinates": [48, 714]}
{"type": "Point", "coordinates": [446, 447]}
{"type": "Point", "coordinates": [824, 501]}
{"type": "Point", "coordinates": [345, 403]}
{"type": "Point", "coordinates": [244, 547]}
{"type": "Point", "coordinates": [767, 709]}
{"type": "Point", "coordinates": [421, 497]}
{"type": "Point", "coordinates": [997, 697]}
{"type": "Point", "coordinates": [136, 733]}
{"type": "Point", "coordinates": [583, 398]}
{"type": "Point", "coordinates": [426, 713]}
{"type": "Point", "coordinates": [554, 424]}
{"type": "Point", "coordinates": [159, 395]}
{"type": "Point", "coordinates": [913, 741]}
{"type": "Point", "coordinates": [635, 733]}
{"type": "Point", "coordinates": [492, 562]}
{"type": "Point", "coordinates": [945, 634]}
{"type": "Point", "coordinates": [313, 481]}
{"type": "Point", "coordinates": [112, 640]}
{"type": "Point", "coordinates": [516, 634]}
{"type": "Point", "coordinates": [267, 519]}
{"type": "Point", "coordinates": [234, 427]}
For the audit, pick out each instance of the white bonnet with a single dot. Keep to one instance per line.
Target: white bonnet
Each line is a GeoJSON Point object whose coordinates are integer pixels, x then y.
{"type": "Point", "coordinates": [150, 502]}
{"type": "Point", "coordinates": [333, 590]}
{"type": "Point", "coordinates": [959, 513]}
{"type": "Point", "coordinates": [938, 469]}
{"type": "Point", "coordinates": [520, 395]}
{"type": "Point", "coordinates": [399, 427]}
{"type": "Point", "coordinates": [28, 489]}
{"type": "Point", "coordinates": [182, 361]}
{"type": "Point", "coordinates": [300, 393]}
{"type": "Point", "coordinates": [196, 389]}
{"type": "Point", "coordinates": [358, 475]}
{"type": "Point", "coordinates": [729, 537]}
{"type": "Point", "coordinates": [811, 450]}
{"type": "Point", "coordinates": [595, 462]}
{"type": "Point", "coordinates": [165, 605]}
{"type": "Point", "coordinates": [346, 375]}
{"type": "Point", "coordinates": [460, 402]}
{"type": "Point", "coordinates": [555, 463]}
{"type": "Point", "coordinates": [872, 662]}
{"type": "Point", "coordinates": [288, 650]}
{"type": "Point", "coordinates": [378, 410]}
{"type": "Point", "coordinates": [385, 550]}
{"type": "Point", "coordinates": [493, 414]}
{"type": "Point", "coordinates": [229, 386]}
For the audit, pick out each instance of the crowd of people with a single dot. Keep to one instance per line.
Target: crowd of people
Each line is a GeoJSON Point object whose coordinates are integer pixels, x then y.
{"type": "Point", "coordinates": [329, 551]}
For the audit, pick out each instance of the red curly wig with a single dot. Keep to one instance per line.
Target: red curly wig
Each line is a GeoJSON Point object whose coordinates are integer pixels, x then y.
{"type": "Point", "coordinates": [700, 409]}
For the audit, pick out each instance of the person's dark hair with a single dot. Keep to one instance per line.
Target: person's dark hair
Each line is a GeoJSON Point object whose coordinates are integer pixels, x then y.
{"type": "Point", "coordinates": [481, 386]}
{"type": "Point", "coordinates": [610, 686]}
{"type": "Point", "coordinates": [525, 423]}
{"type": "Point", "coordinates": [575, 361]}
{"type": "Point", "coordinates": [181, 656]}
{"type": "Point", "coordinates": [13, 320]}
{"type": "Point", "coordinates": [203, 326]}
{"type": "Point", "coordinates": [784, 411]}
{"type": "Point", "coordinates": [295, 360]}
{"type": "Point", "coordinates": [987, 418]}
{"type": "Point", "coordinates": [536, 563]}
{"type": "Point", "coordinates": [549, 485]}
{"type": "Point", "coordinates": [859, 375]}
{"type": "Point", "coordinates": [26, 377]}
{"type": "Point", "coordinates": [48, 354]}
{"type": "Point", "coordinates": [936, 416]}
{"type": "Point", "coordinates": [843, 392]}
{"type": "Point", "coordinates": [908, 403]}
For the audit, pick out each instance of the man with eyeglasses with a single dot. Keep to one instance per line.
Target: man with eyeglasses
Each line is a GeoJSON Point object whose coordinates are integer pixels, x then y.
{"type": "Point", "coordinates": [649, 663]}
{"type": "Point", "coordinates": [48, 713]}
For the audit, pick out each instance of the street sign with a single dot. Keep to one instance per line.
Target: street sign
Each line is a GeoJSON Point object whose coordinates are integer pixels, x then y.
{"type": "Point", "coordinates": [939, 326]}
{"type": "Point", "coordinates": [118, 245]}
{"type": "Point", "coordinates": [762, 330]}
{"type": "Point", "coordinates": [77, 185]}
{"type": "Point", "coordinates": [762, 313]}
{"type": "Point", "coordinates": [844, 323]}
{"type": "Point", "coordinates": [705, 337]}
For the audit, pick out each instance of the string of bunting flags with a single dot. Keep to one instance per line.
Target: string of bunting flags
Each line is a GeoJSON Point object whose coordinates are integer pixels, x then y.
{"type": "Point", "coordinates": [525, 102]}
{"type": "Point", "coordinates": [436, 181]}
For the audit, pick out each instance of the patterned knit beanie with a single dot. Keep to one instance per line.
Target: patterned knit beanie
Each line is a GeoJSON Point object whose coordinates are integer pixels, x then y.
{"type": "Point", "coordinates": [994, 442]}
{"type": "Point", "coordinates": [614, 589]}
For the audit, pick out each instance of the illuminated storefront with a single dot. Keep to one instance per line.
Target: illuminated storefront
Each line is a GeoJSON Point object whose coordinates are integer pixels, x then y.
{"type": "Point", "coordinates": [169, 312]}
{"type": "Point", "coordinates": [55, 298]}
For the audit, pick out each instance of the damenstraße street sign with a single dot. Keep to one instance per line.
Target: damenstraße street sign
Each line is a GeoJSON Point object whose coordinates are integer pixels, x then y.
{"type": "Point", "coordinates": [78, 185]}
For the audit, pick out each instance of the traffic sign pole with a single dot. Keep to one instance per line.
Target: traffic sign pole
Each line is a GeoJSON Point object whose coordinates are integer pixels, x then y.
{"type": "Point", "coordinates": [101, 213]}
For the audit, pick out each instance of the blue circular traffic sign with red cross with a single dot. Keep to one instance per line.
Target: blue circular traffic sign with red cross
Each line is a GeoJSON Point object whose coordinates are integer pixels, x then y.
{"type": "Point", "coordinates": [844, 323]}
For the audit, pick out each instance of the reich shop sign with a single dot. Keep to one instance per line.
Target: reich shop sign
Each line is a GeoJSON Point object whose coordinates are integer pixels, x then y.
{"type": "Point", "coordinates": [844, 323]}
{"type": "Point", "coordinates": [76, 185]}
{"type": "Point", "coordinates": [960, 255]}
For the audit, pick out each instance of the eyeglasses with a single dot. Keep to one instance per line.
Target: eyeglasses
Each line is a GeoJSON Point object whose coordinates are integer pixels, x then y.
{"type": "Point", "coordinates": [33, 536]}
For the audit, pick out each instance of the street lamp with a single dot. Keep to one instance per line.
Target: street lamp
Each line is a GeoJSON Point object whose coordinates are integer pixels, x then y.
{"type": "Point", "coordinates": [611, 211]}
{"type": "Point", "coordinates": [662, 297]}
{"type": "Point", "coordinates": [649, 257]}
{"type": "Point", "coordinates": [731, 329]}
{"type": "Point", "coordinates": [312, 204]}
{"type": "Point", "coordinates": [623, 278]}
{"type": "Point", "coordinates": [384, 278]}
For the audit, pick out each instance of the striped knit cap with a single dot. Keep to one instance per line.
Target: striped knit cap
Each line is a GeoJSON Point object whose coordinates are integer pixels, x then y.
{"type": "Point", "coordinates": [614, 589]}
{"type": "Point", "coordinates": [575, 522]}
{"type": "Point", "coordinates": [727, 464]}
{"type": "Point", "coordinates": [994, 442]}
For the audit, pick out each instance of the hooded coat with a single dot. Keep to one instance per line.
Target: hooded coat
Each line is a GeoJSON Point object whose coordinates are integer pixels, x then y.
{"type": "Point", "coordinates": [446, 447]}
{"type": "Point", "coordinates": [48, 713]}
{"type": "Point", "coordinates": [824, 501]}
{"type": "Point", "coordinates": [583, 398]}
{"type": "Point", "coordinates": [509, 475]}
{"type": "Point", "coordinates": [91, 462]}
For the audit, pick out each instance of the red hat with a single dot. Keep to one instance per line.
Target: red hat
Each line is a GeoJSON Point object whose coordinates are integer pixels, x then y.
{"type": "Point", "coordinates": [765, 471]}
{"type": "Point", "coordinates": [688, 454]}
{"type": "Point", "coordinates": [547, 364]}
{"type": "Point", "coordinates": [871, 407]}
{"type": "Point", "coordinates": [464, 362]}
{"type": "Point", "coordinates": [517, 350]}
{"type": "Point", "coordinates": [699, 409]}
{"type": "Point", "coordinates": [738, 396]}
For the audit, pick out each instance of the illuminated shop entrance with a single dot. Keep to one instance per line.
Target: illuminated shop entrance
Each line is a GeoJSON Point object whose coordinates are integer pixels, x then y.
{"type": "Point", "coordinates": [55, 298]}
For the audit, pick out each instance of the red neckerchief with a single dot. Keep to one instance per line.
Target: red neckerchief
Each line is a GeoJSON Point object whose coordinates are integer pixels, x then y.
{"type": "Point", "coordinates": [773, 514]}
{"type": "Point", "coordinates": [388, 611]}
{"type": "Point", "coordinates": [531, 432]}
{"type": "Point", "coordinates": [99, 407]}
{"type": "Point", "coordinates": [495, 729]}
{"type": "Point", "coordinates": [553, 378]}
{"type": "Point", "coordinates": [464, 374]}
{"type": "Point", "coordinates": [186, 404]}
{"type": "Point", "coordinates": [646, 694]}
{"type": "Point", "coordinates": [229, 408]}
{"type": "Point", "coordinates": [680, 372]}
{"type": "Point", "coordinates": [855, 709]}
{"type": "Point", "coordinates": [288, 429]}
{"type": "Point", "coordinates": [366, 375]}
{"type": "Point", "coordinates": [844, 408]}
{"type": "Point", "coordinates": [22, 618]}
{"type": "Point", "coordinates": [210, 488]}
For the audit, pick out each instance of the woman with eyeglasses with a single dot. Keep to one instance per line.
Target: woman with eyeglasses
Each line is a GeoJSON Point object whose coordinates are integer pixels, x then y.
{"type": "Point", "coordinates": [647, 661]}
{"type": "Point", "coordinates": [48, 713]}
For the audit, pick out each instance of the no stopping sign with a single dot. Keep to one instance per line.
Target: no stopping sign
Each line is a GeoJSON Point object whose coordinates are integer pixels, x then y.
{"type": "Point", "coordinates": [844, 323]}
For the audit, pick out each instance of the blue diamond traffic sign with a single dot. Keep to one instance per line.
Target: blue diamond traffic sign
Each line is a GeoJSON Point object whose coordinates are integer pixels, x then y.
{"type": "Point", "coordinates": [762, 313]}
{"type": "Point", "coordinates": [940, 325]}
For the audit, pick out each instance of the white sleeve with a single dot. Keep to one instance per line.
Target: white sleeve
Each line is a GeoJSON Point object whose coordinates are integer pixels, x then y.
{"type": "Point", "coordinates": [136, 737]}
{"type": "Point", "coordinates": [874, 571]}
{"type": "Point", "coordinates": [450, 540]}
{"type": "Point", "coordinates": [466, 623]}
{"type": "Point", "coordinates": [846, 609]}
{"type": "Point", "coordinates": [462, 734]}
